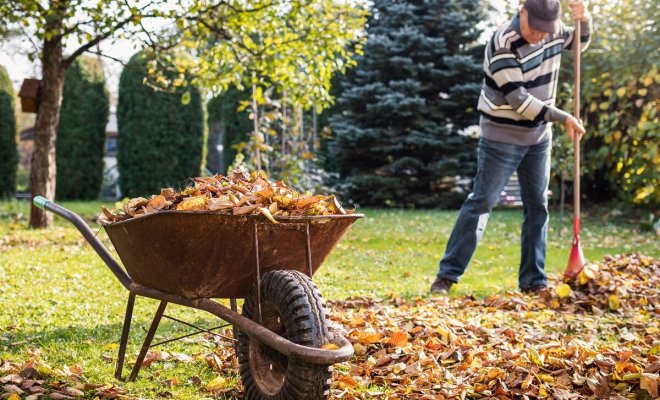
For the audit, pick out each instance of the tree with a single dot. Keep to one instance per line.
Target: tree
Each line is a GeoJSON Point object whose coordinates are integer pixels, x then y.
{"type": "Point", "coordinates": [48, 25]}
{"type": "Point", "coordinates": [8, 151]}
{"type": "Point", "coordinates": [161, 134]}
{"type": "Point", "coordinates": [397, 119]}
{"type": "Point", "coordinates": [81, 133]}
{"type": "Point", "coordinates": [620, 81]}
{"type": "Point", "coordinates": [294, 42]}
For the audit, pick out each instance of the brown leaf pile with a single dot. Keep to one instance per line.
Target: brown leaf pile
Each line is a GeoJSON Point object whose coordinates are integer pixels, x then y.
{"type": "Point", "coordinates": [510, 346]}
{"type": "Point", "coordinates": [237, 193]}
{"type": "Point", "coordinates": [625, 282]}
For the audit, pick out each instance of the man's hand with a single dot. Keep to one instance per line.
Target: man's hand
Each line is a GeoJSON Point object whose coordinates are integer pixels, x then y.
{"type": "Point", "coordinates": [572, 125]}
{"type": "Point", "coordinates": [578, 10]}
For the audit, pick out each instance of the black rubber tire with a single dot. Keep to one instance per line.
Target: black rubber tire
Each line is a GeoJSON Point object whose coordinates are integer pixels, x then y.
{"type": "Point", "coordinates": [291, 306]}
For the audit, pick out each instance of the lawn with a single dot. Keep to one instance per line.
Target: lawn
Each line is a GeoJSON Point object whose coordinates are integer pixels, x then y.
{"type": "Point", "coordinates": [396, 252]}
{"type": "Point", "coordinates": [62, 308]}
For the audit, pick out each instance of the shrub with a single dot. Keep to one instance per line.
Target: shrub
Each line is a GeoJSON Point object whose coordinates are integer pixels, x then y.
{"type": "Point", "coordinates": [8, 150]}
{"type": "Point", "coordinates": [81, 132]}
{"type": "Point", "coordinates": [161, 139]}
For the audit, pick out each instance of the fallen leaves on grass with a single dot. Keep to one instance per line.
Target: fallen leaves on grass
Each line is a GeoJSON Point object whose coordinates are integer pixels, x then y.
{"type": "Point", "coordinates": [568, 343]}
{"type": "Point", "coordinates": [24, 381]}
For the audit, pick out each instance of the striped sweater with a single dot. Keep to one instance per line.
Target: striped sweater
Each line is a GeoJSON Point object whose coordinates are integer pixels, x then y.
{"type": "Point", "coordinates": [517, 100]}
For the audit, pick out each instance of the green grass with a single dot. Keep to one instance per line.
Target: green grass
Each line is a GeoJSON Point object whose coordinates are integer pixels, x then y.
{"type": "Point", "coordinates": [396, 253]}
{"type": "Point", "coordinates": [58, 296]}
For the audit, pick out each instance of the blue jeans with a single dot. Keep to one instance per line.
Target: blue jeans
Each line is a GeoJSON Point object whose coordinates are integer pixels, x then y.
{"type": "Point", "coordinates": [496, 163]}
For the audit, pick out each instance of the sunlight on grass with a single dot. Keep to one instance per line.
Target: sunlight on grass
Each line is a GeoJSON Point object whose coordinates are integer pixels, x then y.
{"type": "Point", "coordinates": [394, 252]}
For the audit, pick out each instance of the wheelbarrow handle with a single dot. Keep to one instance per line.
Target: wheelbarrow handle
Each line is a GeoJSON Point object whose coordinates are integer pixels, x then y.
{"type": "Point", "coordinates": [45, 204]}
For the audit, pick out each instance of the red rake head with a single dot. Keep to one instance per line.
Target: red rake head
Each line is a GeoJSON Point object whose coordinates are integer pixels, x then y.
{"type": "Point", "coordinates": [576, 260]}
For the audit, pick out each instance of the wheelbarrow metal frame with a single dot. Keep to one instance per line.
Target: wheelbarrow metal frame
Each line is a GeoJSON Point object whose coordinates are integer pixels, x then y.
{"type": "Point", "coordinates": [253, 329]}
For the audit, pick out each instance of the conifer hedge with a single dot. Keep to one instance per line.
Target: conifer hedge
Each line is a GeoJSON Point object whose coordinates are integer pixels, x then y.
{"type": "Point", "coordinates": [161, 140]}
{"type": "Point", "coordinates": [8, 150]}
{"type": "Point", "coordinates": [81, 132]}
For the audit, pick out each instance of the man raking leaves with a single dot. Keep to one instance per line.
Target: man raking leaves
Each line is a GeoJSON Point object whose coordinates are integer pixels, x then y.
{"type": "Point", "coordinates": [521, 67]}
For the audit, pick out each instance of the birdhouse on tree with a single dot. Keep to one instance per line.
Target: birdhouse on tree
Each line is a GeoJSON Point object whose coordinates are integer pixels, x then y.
{"type": "Point", "coordinates": [30, 95]}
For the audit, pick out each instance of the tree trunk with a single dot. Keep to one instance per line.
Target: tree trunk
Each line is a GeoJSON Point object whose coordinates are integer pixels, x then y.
{"type": "Point", "coordinates": [42, 172]}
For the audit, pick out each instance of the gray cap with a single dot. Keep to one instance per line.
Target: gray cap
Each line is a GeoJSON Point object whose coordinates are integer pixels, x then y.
{"type": "Point", "coordinates": [544, 15]}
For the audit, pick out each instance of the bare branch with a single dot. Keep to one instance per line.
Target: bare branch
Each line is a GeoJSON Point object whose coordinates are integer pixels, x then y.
{"type": "Point", "coordinates": [101, 54]}
{"type": "Point", "coordinates": [35, 46]}
{"type": "Point", "coordinates": [82, 49]}
{"type": "Point", "coordinates": [239, 10]}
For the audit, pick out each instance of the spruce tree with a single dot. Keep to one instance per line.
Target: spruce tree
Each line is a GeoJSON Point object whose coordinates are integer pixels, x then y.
{"type": "Point", "coordinates": [8, 150]}
{"type": "Point", "coordinates": [161, 139]}
{"type": "Point", "coordinates": [81, 132]}
{"type": "Point", "coordinates": [398, 117]}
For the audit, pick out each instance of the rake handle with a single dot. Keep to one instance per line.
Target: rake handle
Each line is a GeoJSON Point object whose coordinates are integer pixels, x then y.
{"type": "Point", "coordinates": [576, 138]}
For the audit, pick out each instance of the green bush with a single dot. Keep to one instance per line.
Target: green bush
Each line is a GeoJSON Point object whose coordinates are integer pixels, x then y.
{"type": "Point", "coordinates": [161, 139]}
{"type": "Point", "coordinates": [619, 105]}
{"type": "Point", "coordinates": [81, 132]}
{"type": "Point", "coordinates": [8, 150]}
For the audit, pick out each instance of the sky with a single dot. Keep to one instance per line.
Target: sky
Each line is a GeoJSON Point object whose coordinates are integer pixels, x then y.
{"type": "Point", "coordinates": [13, 56]}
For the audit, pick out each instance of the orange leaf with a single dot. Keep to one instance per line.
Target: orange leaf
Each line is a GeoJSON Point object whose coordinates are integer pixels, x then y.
{"type": "Point", "coordinates": [193, 203]}
{"type": "Point", "coordinates": [399, 339]}
{"type": "Point", "coordinates": [369, 337]}
{"type": "Point", "coordinates": [347, 381]}
{"type": "Point", "coordinates": [305, 201]}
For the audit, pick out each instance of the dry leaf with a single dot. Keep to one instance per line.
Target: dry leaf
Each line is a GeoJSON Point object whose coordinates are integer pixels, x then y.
{"type": "Point", "coordinates": [613, 302]}
{"type": "Point", "coordinates": [649, 382]}
{"type": "Point", "coordinates": [192, 203]}
{"type": "Point", "coordinates": [399, 339]}
{"type": "Point", "coordinates": [217, 384]}
{"type": "Point", "coordinates": [347, 381]}
{"type": "Point", "coordinates": [563, 290]}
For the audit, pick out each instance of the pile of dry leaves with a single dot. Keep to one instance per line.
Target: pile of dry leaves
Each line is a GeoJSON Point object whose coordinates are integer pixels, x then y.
{"type": "Point", "coordinates": [628, 282]}
{"type": "Point", "coordinates": [237, 193]}
{"type": "Point", "coordinates": [559, 345]}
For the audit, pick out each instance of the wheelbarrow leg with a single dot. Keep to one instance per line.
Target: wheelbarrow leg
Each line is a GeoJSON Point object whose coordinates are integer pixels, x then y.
{"type": "Point", "coordinates": [234, 329]}
{"type": "Point", "coordinates": [308, 250]}
{"type": "Point", "coordinates": [147, 340]}
{"type": "Point", "coordinates": [257, 276]}
{"type": "Point", "coordinates": [124, 336]}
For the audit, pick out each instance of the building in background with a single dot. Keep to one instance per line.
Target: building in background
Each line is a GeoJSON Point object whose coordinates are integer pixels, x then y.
{"type": "Point", "coordinates": [110, 189]}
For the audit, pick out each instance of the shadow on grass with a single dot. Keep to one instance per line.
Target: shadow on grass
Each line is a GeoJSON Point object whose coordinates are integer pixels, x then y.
{"type": "Point", "coordinates": [67, 344]}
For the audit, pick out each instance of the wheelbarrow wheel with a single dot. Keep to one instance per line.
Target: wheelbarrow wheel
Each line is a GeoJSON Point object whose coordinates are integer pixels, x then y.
{"type": "Point", "coordinates": [291, 306]}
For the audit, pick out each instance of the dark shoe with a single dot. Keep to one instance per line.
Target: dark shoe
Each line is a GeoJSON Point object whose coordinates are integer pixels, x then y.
{"type": "Point", "coordinates": [441, 286]}
{"type": "Point", "coordinates": [534, 289]}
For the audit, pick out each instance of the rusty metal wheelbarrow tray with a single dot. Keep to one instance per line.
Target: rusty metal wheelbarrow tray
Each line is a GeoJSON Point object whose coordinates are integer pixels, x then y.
{"type": "Point", "coordinates": [188, 258]}
{"type": "Point", "coordinates": [211, 255]}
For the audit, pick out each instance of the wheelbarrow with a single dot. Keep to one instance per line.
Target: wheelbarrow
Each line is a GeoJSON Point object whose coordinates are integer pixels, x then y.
{"type": "Point", "coordinates": [283, 338]}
